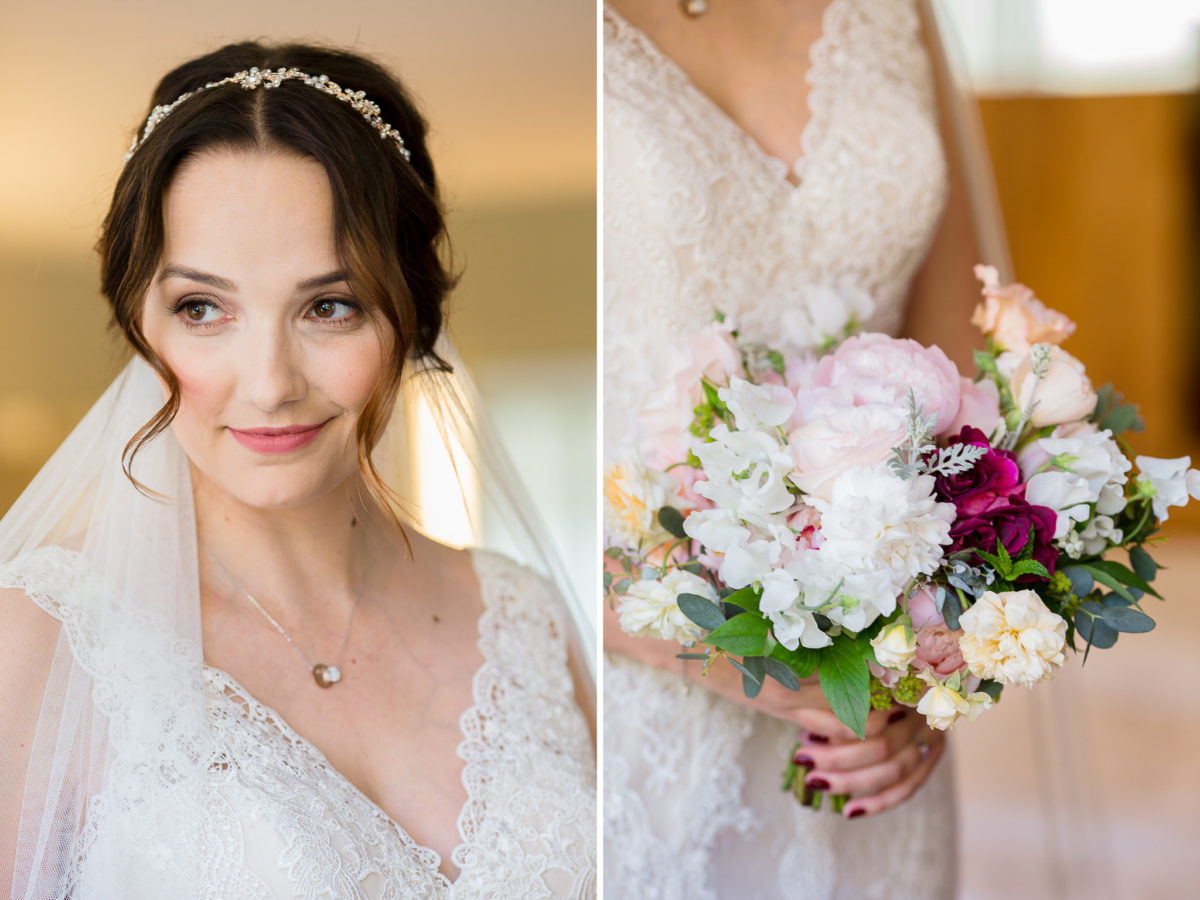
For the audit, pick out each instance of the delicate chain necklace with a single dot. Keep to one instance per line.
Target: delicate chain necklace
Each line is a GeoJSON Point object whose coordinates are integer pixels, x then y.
{"type": "Point", "coordinates": [324, 675]}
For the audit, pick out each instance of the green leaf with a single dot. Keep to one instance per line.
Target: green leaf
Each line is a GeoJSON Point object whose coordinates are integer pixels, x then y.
{"type": "Point", "coordinates": [1124, 575]}
{"type": "Point", "coordinates": [952, 609]}
{"type": "Point", "coordinates": [623, 585]}
{"type": "Point", "coordinates": [991, 688]}
{"type": "Point", "coordinates": [608, 579]}
{"type": "Point", "coordinates": [985, 362]}
{"type": "Point", "coordinates": [743, 635]}
{"type": "Point", "coordinates": [781, 673]}
{"type": "Point", "coordinates": [671, 519]}
{"type": "Point", "coordinates": [701, 610]}
{"type": "Point", "coordinates": [801, 661]}
{"type": "Point", "coordinates": [1143, 563]}
{"type": "Point", "coordinates": [1109, 581]}
{"type": "Point", "coordinates": [614, 552]}
{"type": "Point", "coordinates": [845, 680]}
{"type": "Point", "coordinates": [1128, 620]}
{"type": "Point", "coordinates": [1029, 567]}
{"type": "Point", "coordinates": [701, 656]}
{"type": "Point", "coordinates": [746, 598]}
{"type": "Point", "coordinates": [751, 683]}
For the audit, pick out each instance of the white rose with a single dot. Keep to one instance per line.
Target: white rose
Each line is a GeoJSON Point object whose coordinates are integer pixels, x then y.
{"type": "Point", "coordinates": [895, 645]}
{"type": "Point", "coordinates": [1170, 480]}
{"type": "Point", "coordinates": [942, 707]}
{"type": "Point", "coordinates": [649, 608]}
{"type": "Point", "coordinates": [1063, 393]}
{"type": "Point", "coordinates": [1012, 638]}
{"type": "Point", "coordinates": [633, 495]}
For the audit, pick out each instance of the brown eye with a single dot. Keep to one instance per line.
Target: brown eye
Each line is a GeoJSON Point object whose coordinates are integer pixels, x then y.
{"type": "Point", "coordinates": [198, 312]}
{"type": "Point", "coordinates": [325, 309]}
{"type": "Point", "coordinates": [331, 309]}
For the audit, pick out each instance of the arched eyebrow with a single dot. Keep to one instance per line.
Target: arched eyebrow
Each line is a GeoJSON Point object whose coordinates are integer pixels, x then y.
{"type": "Point", "coordinates": [224, 284]}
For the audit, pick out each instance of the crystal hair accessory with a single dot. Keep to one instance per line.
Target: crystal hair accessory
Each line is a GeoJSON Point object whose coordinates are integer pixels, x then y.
{"type": "Point", "coordinates": [267, 78]}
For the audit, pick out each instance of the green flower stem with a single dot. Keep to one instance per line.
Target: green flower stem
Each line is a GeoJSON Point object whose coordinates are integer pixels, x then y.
{"type": "Point", "coordinates": [805, 795]}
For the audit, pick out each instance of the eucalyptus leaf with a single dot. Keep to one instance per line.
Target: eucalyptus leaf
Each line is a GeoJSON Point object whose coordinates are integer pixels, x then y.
{"type": "Point", "coordinates": [802, 661]}
{"type": "Point", "coordinates": [743, 635]}
{"type": "Point", "coordinates": [1082, 582]}
{"type": "Point", "coordinates": [1094, 631]}
{"type": "Point", "coordinates": [751, 683]}
{"type": "Point", "coordinates": [1109, 581]}
{"type": "Point", "coordinates": [1124, 618]}
{"type": "Point", "coordinates": [951, 610]}
{"type": "Point", "coordinates": [671, 519]}
{"type": "Point", "coordinates": [781, 673]}
{"type": "Point", "coordinates": [623, 585]}
{"type": "Point", "coordinates": [700, 656]}
{"type": "Point", "coordinates": [1124, 575]}
{"type": "Point", "coordinates": [701, 610]}
{"type": "Point", "coordinates": [694, 567]}
{"type": "Point", "coordinates": [1143, 563]}
{"type": "Point", "coordinates": [845, 680]}
{"type": "Point", "coordinates": [991, 688]}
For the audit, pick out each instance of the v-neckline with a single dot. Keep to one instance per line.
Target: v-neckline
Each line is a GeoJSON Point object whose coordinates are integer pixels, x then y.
{"type": "Point", "coordinates": [779, 168]}
{"type": "Point", "coordinates": [309, 748]}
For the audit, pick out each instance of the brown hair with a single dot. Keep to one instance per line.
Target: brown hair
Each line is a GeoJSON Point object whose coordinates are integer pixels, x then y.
{"type": "Point", "coordinates": [388, 222]}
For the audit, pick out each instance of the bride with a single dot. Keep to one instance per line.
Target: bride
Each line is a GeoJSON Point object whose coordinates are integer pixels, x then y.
{"type": "Point", "coordinates": [238, 669]}
{"type": "Point", "coordinates": [781, 161]}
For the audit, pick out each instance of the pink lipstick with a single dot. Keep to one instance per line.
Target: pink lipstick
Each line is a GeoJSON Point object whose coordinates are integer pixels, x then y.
{"type": "Point", "coordinates": [277, 440]}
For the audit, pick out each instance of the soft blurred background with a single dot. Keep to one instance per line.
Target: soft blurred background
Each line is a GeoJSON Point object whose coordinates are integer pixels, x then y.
{"type": "Point", "coordinates": [510, 92]}
{"type": "Point", "coordinates": [1091, 112]}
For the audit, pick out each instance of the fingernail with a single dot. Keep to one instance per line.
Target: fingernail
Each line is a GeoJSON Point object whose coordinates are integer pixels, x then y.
{"type": "Point", "coordinates": [896, 716]}
{"type": "Point", "coordinates": [818, 739]}
{"type": "Point", "coordinates": [817, 784]}
{"type": "Point", "coordinates": [801, 760]}
{"type": "Point", "coordinates": [855, 813]}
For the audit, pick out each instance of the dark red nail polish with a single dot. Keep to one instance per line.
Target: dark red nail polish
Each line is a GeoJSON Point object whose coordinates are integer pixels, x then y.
{"type": "Point", "coordinates": [896, 715]}
{"type": "Point", "coordinates": [855, 813]}
{"type": "Point", "coordinates": [817, 784]}
{"type": "Point", "coordinates": [818, 739]}
{"type": "Point", "coordinates": [801, 760]}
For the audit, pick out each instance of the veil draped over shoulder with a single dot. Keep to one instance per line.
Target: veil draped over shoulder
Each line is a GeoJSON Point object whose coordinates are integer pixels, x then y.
{"type": "Point", "coordinates": [105, 751]}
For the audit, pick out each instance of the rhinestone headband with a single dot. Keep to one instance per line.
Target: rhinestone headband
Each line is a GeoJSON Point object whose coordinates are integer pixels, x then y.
{"type": "Point", "coordinates": [253, 78]}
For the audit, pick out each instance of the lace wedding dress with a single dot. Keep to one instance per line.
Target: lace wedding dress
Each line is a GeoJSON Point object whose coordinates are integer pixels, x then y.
{"type": "Point", "coordinates": [274, 819]}
{"type": "Point", "coordinates": [698, 218]}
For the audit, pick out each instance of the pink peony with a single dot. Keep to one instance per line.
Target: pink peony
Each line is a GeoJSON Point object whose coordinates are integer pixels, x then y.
{"type": "Point", "coordinates": [850, 437]}
{"type": "Point", "coordinates": [878, 369]}
{"type": "Point", "coordinates": [938, 651]}
{"type": "Point", "coordinates": [980, 407]}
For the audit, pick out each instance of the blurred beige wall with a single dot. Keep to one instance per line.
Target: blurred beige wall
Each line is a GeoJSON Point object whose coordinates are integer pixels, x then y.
{"type": "Point", "coordinates": [509, 90]}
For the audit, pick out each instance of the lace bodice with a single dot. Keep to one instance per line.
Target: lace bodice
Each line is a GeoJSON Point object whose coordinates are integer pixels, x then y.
{"type": "Point", "coordinates": [273, 819]}
{"type": "Point", "coordinates": [697, 217]}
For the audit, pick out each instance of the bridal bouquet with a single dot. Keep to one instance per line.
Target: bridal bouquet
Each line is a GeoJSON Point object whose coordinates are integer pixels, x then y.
{"type": "Point", "coordinates": [863, 513]}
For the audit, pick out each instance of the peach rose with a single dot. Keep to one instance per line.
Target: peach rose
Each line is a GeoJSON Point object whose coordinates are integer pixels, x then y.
{"type": "Point", "coordinates": [1014, 317]}
{"type": "Point", "coordinates": [1064, 393]}
{"type": "Point", "coordinates": [937, 651]}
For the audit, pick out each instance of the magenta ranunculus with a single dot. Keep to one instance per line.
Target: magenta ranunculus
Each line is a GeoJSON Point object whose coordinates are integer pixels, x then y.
{"type": "Point", "coordinates": [993, 481]}
{"type": "Point", "coordinates": [1011, 525]}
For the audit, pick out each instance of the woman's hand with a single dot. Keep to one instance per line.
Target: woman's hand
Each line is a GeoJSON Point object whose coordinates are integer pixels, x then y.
{"type": "Point", "coordinates": [881, 772]}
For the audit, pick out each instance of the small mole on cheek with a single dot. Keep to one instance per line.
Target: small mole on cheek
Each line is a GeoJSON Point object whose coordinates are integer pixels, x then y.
{"type": "Point", "coordinates": [436, 619]}
{"type": "Point", "coordinates": [354, 521]}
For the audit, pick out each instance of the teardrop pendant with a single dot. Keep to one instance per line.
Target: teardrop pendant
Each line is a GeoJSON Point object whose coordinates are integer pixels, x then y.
{"type": "Point", "coordinates": [326, 676]}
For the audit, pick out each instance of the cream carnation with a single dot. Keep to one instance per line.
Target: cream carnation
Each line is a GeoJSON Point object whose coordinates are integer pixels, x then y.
{"type": "Point", "coordinates": [1012, 638]}
{"type": "Point", "coordinates": [650, 608]}
{"type": "Point", "coordinates": [633, 495]}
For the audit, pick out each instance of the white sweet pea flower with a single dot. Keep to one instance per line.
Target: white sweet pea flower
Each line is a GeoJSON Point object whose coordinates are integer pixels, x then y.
{"type": "Point", "coordinates": [650, 608]}
{"type": "Point", "coordinates": [795, 626]}
{"type": "Point", "coordinates": [1100, 531]}
{"type": "Point", "coordinates": [1111, 500]}
{"type": "Point", "coordinates": [746, 472]}
{"type": "Point", "coordinates": [1170, 481]}
{"type": "Point", "coordinates": [717, 529]}
{"type": "Point", "coordinates": [1068, 495]}
{"type": "Point", "coordinates": [979, 701]}
{"type": "Point", "coordinates": [748, 562]}
{"type": "Point", "coordinates": [757, 405]}
{"type": "Point", "coordinates": [896, 644]}
{"type": "Point", "coordinates": [1093, 456]}
{"type": "Point", "coordinates": [850, 598]}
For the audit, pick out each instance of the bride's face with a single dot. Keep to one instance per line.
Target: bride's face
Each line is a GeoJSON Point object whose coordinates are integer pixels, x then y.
{"type": "Point", "coordinates": [275, 358]}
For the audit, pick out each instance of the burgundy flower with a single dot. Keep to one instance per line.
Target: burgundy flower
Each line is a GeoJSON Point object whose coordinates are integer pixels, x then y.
{"type": "Point", "coordinates": [1012, 525]}
{"type": "Point", "coordinates": [992, 481]}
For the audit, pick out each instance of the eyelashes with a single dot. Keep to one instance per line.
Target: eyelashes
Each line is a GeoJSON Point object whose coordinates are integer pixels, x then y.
{"type": "Point", "coordinates": [199, 314]}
